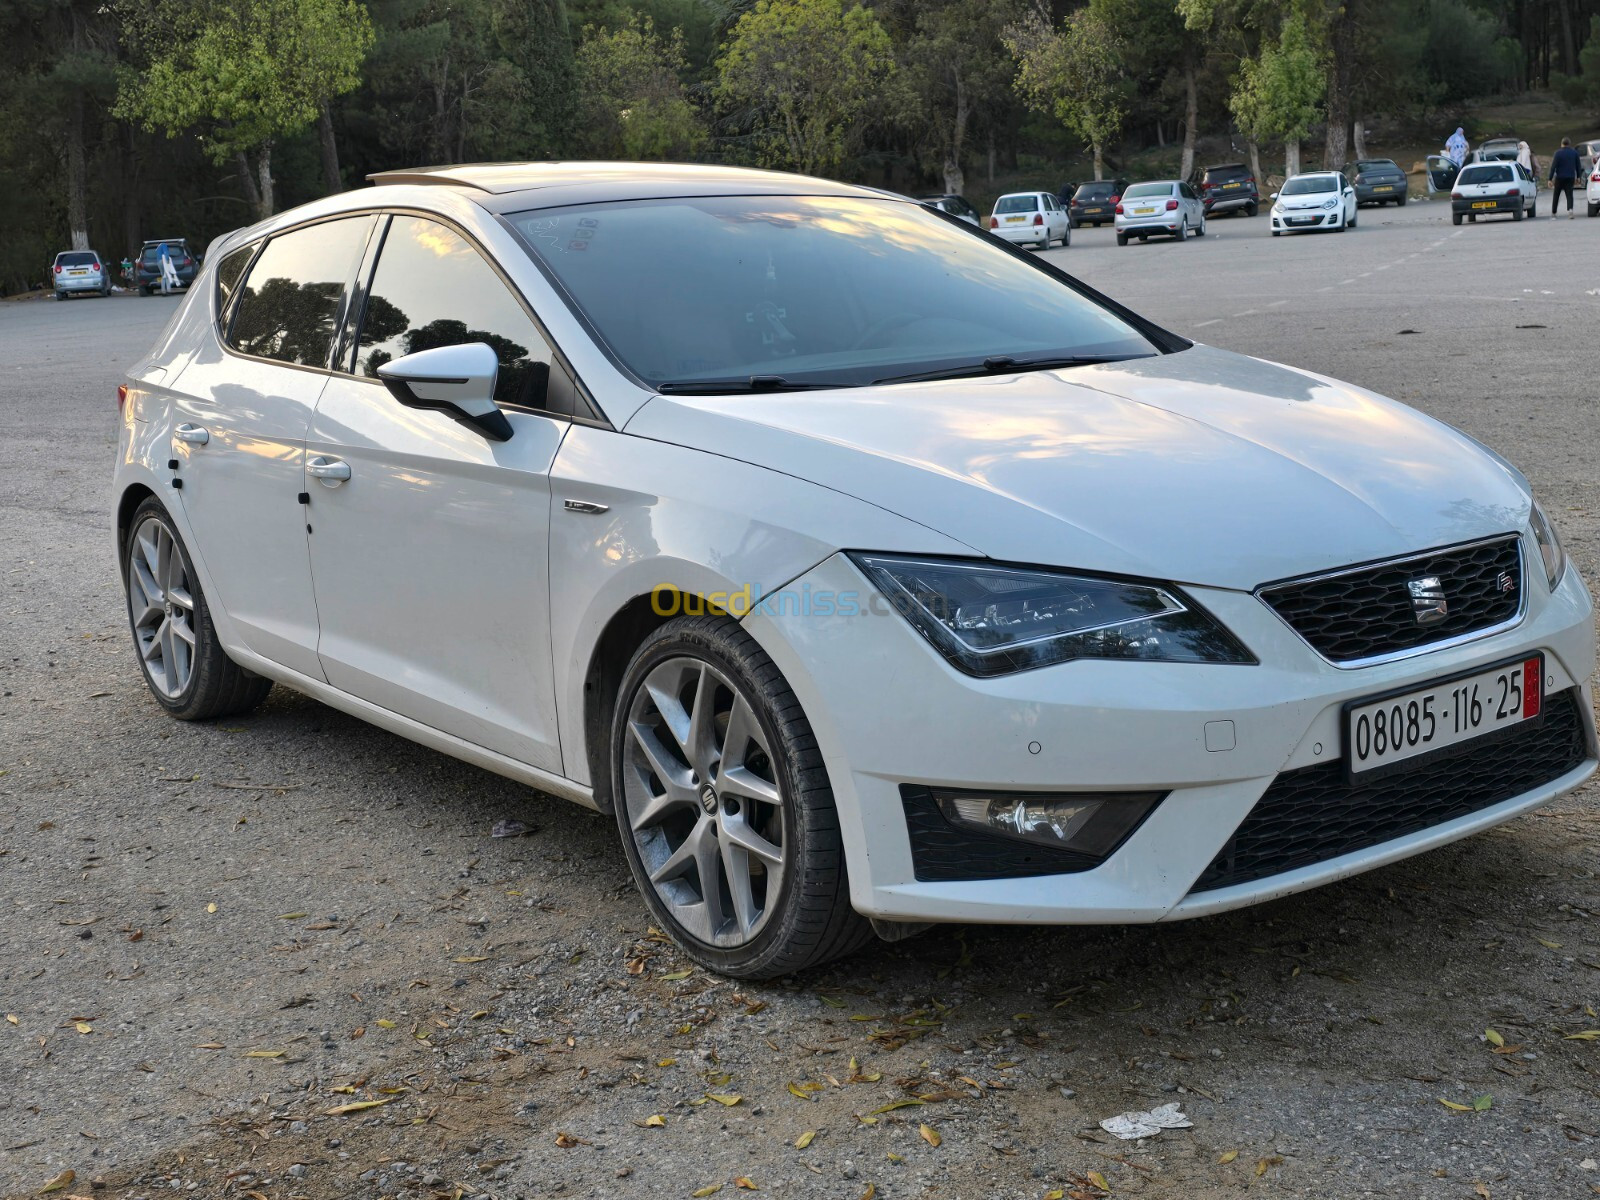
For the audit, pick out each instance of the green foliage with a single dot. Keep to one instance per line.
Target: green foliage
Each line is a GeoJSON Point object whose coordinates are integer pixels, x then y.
{"type": "Point", "coordinates": [249, 71]}
{"type": "Point", "coordinates": [631, 100]}
{"type": "Point", "coordinates": [1462, 55]}
{"type": "Point", "coordinates": [1277, 94]}
{"type": "Point", "coordinates": [1073, 72]}
{"type": "Point", "coordinates": [1583, 90]}
{"type": "Point", "coordinates": [800, 73]}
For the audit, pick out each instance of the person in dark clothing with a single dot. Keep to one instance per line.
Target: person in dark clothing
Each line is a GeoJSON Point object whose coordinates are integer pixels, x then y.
{"type": "Point", "coordinates": [1563, 176]}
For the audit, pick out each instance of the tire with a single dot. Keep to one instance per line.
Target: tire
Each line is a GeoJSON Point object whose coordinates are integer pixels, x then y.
{"type": "Point", "coordinates": [1183, 230]}
{"type": "Point", "coordinates": [1533, 210]}
{"type": "Point", "coordinates": [195, 680]}
{"type": "Point", "coordinates": [1251, 209]}
{"type": "Point", "coordinates": [1472, 217]}
{"type": "Point", "coordinates": [1201, 232]}
{"type": "Point", "coordinates": [1275, 232]}
{"type": "Point", "coordinates": [1455, 218]}
{"type": "Point", "coordinates": [1122, 239]}
{"type": "Point", "coordinates": [668, 792]}
{"type": "Point", "coordinates": [1355, 219]}
{"type": "Point", "coordinates": [1400, 203]}
{"type": "Point", "coordinates": [1519, 214]}
{"type": "Point", "coordinates": [1594, 210]}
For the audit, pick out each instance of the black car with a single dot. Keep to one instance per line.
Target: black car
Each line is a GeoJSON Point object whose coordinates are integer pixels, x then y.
{"type": "Point", "coordinates": [147, 270]}
{"type": "Point", "coordinates": [1378, 181]}
{"type": "Point", "coordinates": [1229, 187]}
{"type": "Point", "coordinates": [1095, 202]}
{"type": "Point", "coordinates": [956, 206]}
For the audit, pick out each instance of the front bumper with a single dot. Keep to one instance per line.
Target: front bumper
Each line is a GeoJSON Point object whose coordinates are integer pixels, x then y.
{"type": "Point", "coordinates": [1292, 220]}
{"type": "Point", "coordinates": [888, 711]}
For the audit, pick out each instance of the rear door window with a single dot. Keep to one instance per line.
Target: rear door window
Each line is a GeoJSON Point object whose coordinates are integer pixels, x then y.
{"type": "Point", "coordinates": [1017, 204]}
{"type": "Point", "coordinates": [77, 258]}
{"type": "Point", "coordinates": [432, 288]}
{"type": "Point", "coordinates": [288, 308]}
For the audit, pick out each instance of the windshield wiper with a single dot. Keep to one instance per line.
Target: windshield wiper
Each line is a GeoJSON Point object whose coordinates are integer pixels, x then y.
{"type": "Point", "coordinates": [1003, 364]}
{"type": "Point", "coordinates": [731, 387]}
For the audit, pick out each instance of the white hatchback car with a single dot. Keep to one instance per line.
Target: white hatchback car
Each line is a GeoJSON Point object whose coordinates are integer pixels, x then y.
{"type": "Point", "coordinates": [1030, 219]}
{"type": "Point", "coordinates": [1314, 200]}
{"type": "Point", "coordinates": [1486, 188]}
{"type": "Point", "coordinates": [1168, 207]}
{"type": "Point", "coordinates": [1593, 193]}
{"type": "Point", "coordinates": [864, 581]}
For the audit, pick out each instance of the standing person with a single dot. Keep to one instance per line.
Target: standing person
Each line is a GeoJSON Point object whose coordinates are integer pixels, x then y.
{"type": "Point", "coordinates": [169, 276]}
{"type": "Point", "coordinates": [1456, 147]}
{"type": "Point", "coordinates": [1525, 157]}
{"type": "Point", "coordinates": [1563, 176]}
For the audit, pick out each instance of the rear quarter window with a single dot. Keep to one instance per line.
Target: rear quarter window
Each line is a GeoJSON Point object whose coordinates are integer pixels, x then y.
{"type": "Point", "coordinates": [289, 304]}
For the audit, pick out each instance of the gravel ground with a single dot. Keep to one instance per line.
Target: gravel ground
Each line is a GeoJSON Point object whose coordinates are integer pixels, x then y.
{"type": "Point", "coordinates": [220, 936]}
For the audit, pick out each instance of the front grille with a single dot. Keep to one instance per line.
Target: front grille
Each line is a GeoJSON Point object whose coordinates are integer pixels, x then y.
{"type": "Point", "coordinates": [1367, 612]}
{"type": "Point", "coordinates": [1311, 815]}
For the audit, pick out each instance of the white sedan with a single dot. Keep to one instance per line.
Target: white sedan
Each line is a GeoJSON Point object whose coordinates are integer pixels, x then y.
{"type": "Point", "coordinates": [862, 582]}
{"type": "Point", "coordinates": [1169, 207]}
{"type": "Point", "coordinates": [1486, 188]}
{"type": "Point", "coordinates": [1314, 200]}
{"type": "Point", "coordinates": [1593, 194]}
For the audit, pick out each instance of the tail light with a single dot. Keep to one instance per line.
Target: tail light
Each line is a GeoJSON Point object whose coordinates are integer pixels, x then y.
{"type": "Point", "coordinates": [1595, 178]}
{"type": "Point", "coordinates": [1206, 187]}
{"type": "Point", "coordinates": [1119, 210]}
{"type": "Point", "coordinates": [1251, 180]}
{"type": "Point", "coordinates": [1457, 196]}
{"type": "Point", "coordinates": [97, 266]}
{"type": "Point", "coordinates": [1038, 218]}
{"type": "Point", "coordinates": [1172, 206]}
{"type": "Point", "coordinates": [122, 395]}
{"type": "Point", "coordinates": [58, 268]}
{"type": "Point", "coordinates": [1114, 199]}
{"type": "Point", "coordinates": [994, 222]}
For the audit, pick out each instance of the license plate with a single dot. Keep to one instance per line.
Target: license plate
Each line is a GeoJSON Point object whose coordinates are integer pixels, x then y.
{"type": "Point", "coordinates": [1484, 203]}
{"type": "Point", "coordinates": [1012, 220]}
{"type": "Point", "coordinates": [1143, 212]}
{"type": "Point", "coordinates": [1226, 186]}
{"type": "Point", "coordinates": [1393, 729]}
{"type": "Point", "coordinates": [1383, 187]}
{"type": "Point", "coordinates": [77, 272]}
{"type": "Point", "coordinates": [1093, 212]}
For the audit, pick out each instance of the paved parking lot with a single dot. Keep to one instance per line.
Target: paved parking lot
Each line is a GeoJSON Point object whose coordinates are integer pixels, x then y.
{"type": "Point", "coordinates": [216, 934]}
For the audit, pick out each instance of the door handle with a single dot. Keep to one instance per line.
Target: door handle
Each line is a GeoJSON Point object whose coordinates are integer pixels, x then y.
{"type": "Point", "coordinates": [192, 433]}
{"type": "Point", "coordinates": [331, 471]}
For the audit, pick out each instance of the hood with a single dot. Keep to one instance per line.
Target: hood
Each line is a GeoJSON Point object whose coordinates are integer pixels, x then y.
{"type": "Point", "coordinates": [1198, 467]}
{"type": "Point", "coordinates": [1309, 200]}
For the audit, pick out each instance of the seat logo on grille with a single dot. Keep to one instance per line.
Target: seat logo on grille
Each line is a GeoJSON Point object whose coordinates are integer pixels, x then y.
{"type": "Point", "coordinates": [1428, 604]}
{"type": "Point", "coordinates": [1505, 582]}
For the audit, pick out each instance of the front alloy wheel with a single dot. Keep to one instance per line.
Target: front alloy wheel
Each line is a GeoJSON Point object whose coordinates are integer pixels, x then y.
{"type": "Point", "coordinates": [726, 816]}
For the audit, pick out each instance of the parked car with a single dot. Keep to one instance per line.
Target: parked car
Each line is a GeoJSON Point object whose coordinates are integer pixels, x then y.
{"type": "Point", "coordinates": [1095, 202]}
{"type": "Point", "coordinates": [1441, 171]}
{"type": "Point", "coordinates": [1588, 154]}
{"type": "Point", "coordinates": [1229, 187]}
{"type": "Point", "coordinates": [1030, 218]}
{"type": "Point", "coordinates": [147, 269]}
{"type": "Point", "coordinates": [1500, 149]}
{"type": "Point", "coordinates": [956, 206]}
{"type": "Point", "coordinates": [79, 272]}
{"type": "Point", "coordinates": [1314, 200]}
{"type": "Point", "coordinates": [1167, 207]}
{"type": "Point", "coordinates": [840, 570]}
{"type": "Point", "coordinates": [1485, 189]}
{"type": "Point", "coordinates": [1593, 192]}
{"type": "Point", "coordinates": [1379, 181]}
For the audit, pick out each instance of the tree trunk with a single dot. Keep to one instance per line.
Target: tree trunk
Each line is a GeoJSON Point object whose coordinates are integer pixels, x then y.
{"type": "Point", "coordinates": [991, 156]}
{"type": "Point", "coordinates": [955, 181]}
{"type": "Point", "coordinates": [1341, 65]}
{"type": "Point", "coordinates": [1360, 138]}
{"type": "Point", "coordinates": [1160, 136]}
{"type": "Point", "coordinates": [267, 203]}
{"type": "Point", "coordinates": [1099, 162]}
{"type": "Point", "coordinates": [132, 235]}
{"type": "Point", "coordinates": [1291, 157]}
{"type": "Point", "coordinates": [1569, 47]}
{"type": "Point", "coordinates": [77, 203]}
{"type": "Point", "coordinates": [1191, 119]}
{"type": "Point", "coordinates": [331, 180]}
{"type": "Point", "coordinates": [1255, 161]}
{"type": "Point", "coordinates": [247, 183]}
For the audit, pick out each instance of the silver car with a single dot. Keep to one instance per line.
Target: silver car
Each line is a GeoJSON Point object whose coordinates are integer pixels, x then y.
{"type": "Point", "coordinates": [76, 271]}
{"type": "Point", "coordinates": [1166, 207]}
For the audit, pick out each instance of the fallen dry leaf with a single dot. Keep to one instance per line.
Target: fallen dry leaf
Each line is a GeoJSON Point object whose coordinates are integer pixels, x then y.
{"type": "Point", "coordinates": [1098, 1180]}
{"type": "Point", "coordinates": [265, 1053]}
{"type": "Point", "coordinates": [654, 1122]}
{"type": "Point", "coordinates": [1228, 1156]}
{"type": "Point", "coordinates": [212, 907]}
{"type": "Point", "coordinates": [745, 1182]}
{"type": "Point", "coordinates": [1262, 1164]}
{"type": "Point", "coordinates": [59, 1182]}
{"type": "Point", "coordinates": [929, 1134]}
{"type": "Point", "coordinates": [1453, 1106]}
{"type": "Point", "coordinates": [673, 977]}
{"type": "Point", "coordinates": [356, 1106]}
{"type": "Point", "coordinates": [83, 1027]}
{"type": "Point", "coordinates": [566, 1141]}
{"type": "Point", "coordinates": [1493, 1038]}
{"type": "Point", "coordinates": [382, 1024]}
{"type": "Point", "coordinates": [805, 1139]}
{"type": "Point", "coordinates": [894, 1104]}
{"type": "Point", "coordinates": [726, 1099]}
{"type": "Point", "coordinates": [706, 1191]}
{"type": "Point", "coordinates": [872, 1190]}
{"type": "Point", "coordinates": [1482, 1189]}
{"type": "Point", "coordinates": [1588, 1035]}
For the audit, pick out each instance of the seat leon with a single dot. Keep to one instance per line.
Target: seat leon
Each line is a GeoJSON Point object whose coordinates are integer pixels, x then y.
{"type": "Point", "coordinates": [867, 572]}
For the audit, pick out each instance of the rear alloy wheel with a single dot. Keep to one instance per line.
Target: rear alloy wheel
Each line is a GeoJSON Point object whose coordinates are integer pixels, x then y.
{"type": "Point", "coordinates": [184, 665]}
{"type": "Point", "coordinates": [1183, 230]}
{"type": "Point", "coordinates": [723, 803]}
{"type": "Point", "coordinates": [1122, 239]}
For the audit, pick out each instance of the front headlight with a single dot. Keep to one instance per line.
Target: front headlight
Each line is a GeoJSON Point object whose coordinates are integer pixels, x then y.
{"type": "Point", "coordinates": [1544, 533]}
{"type": "Point", "coordinates": [1330, 204]}
{"type": "Point", "coordinates": [994, 620]}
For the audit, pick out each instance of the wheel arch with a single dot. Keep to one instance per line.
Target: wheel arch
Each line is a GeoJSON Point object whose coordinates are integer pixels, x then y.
{"type": "Point", "coordinates": [128, 503]}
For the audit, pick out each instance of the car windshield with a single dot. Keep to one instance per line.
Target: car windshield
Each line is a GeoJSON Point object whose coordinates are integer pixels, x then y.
{"type": "Point", "coordinates": [1094, 191]}
{"type": "Point", "coordinates": [1304, 185]}
{"type": "Point", "coordinates": [1016, 204]}
{"type": "Point", "coordinates": [77, 258]}
{"type": "Point", "coordinates": [822, 291]}
{"type": "Point", "coordinates": [1147, 189]}
{"type": "Point", "coordinates": [1377, 164]}
{"type": "Point", "coordinates": [1486, 175]}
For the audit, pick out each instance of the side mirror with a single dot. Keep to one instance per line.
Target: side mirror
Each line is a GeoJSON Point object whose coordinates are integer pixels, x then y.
{"type": "Point", "coordinates": [1274, 196]}
{"type": "Point", "coordinates": [455, 380]}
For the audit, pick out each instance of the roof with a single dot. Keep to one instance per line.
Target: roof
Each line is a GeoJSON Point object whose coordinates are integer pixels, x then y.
{"type": "Point", "coordinates": [510, 186]}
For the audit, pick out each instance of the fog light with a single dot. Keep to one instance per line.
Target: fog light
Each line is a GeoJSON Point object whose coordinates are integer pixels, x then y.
{"type": "Point", "coordinates": [1093, 823]}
